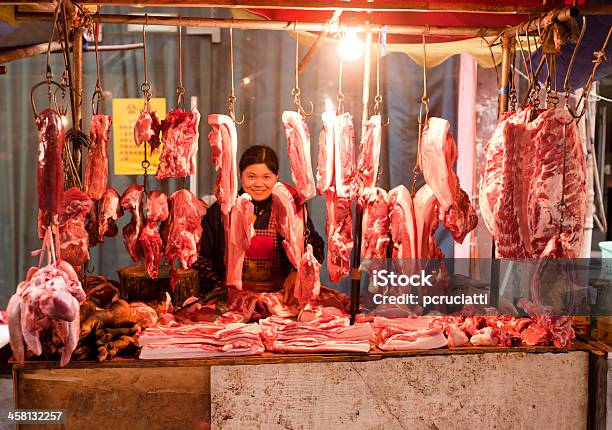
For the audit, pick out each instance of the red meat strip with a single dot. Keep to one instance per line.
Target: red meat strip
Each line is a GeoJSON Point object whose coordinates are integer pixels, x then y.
{"type": "Point", "coordinates": [308, 281]}
{"type": "Point", "coordinates": [339, 230]}
{"type": "Point", "coordinates": [298, 146]}
{"type": "Point", "coordinates": [289, 221]}
{"type": "Point", "coordinates": [369, 157]}
{"type": "Point", "coordinates": [239, 239]}
{"type": "Point", "coordinates": [325, 162]}
{"type": "Point", "coordinates": [109, 212]}
{"type": "Point", "coordinates": [51, 137]}
{"type": "Point", "coordinates": [223, 146]}
{"type": "Point", "coordinates": [96, 166]}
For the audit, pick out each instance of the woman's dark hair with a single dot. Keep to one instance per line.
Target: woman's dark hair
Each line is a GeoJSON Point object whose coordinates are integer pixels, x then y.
{"type": "Point", "coordinates": [259, 154]}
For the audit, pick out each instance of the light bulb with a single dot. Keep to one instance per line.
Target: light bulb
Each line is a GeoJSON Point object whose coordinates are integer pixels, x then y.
{"type": "Point", "coordinates": [351, 47]}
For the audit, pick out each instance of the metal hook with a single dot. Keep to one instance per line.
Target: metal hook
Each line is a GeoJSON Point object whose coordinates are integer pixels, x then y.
{"type": "Point", "coordinates": [88, 270]}
{"type": "Point", "coordinates": [295, 92]}
{"type": "Point", "coordinates": [568, 72]}
{"type": "Point", "coordinates": [232, 97]}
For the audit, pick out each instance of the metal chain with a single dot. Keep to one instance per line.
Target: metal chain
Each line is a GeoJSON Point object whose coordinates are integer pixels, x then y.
{"type": "Point", "coordinates": [98, 94]}
{"type": "Point", "coordinates": [145, 87]}
{"type": "Point", "coordinates": [513, 94]}
{"type": "Point", "coordinates": [180, 90]}
{"type": "Point", "coordinates": [378, 97]}
{"type": "Point", "coordinates": [340, 97]}
{"type": "Point", "coordinates": [232, 97]}
{"type": "Point", "coordinates": [422, 121]}
{"type": "Point", "coordinates": [295, 92]}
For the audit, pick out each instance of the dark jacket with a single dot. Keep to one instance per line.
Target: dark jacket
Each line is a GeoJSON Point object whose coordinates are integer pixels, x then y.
{"type": "Point", "coordinates": [211, 263]}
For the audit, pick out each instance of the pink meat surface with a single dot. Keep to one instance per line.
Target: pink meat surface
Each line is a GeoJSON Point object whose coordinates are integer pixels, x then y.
{"type": "Point", "coordinates": [96, 166]}
{"type": "Point", "coordinates": [298, 147]}
{"type": "Point", "coordinates": [131, 201]}
{"type": "Point", "coordinates": [223, 147]}
{"type": "Point", "coordinates": [239, 240]}
{"type": "Point", "coordinates": [180, 136]}
{"type": "Point", "coordinates": [51, 137]}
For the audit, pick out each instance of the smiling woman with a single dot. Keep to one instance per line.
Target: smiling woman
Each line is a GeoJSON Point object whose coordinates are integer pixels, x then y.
{"type": "Point", "coordinates": [266, 266]}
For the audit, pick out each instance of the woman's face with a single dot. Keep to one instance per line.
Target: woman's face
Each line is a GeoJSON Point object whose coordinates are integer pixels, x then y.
{"type": "Point", "coordinates": [258, 180]}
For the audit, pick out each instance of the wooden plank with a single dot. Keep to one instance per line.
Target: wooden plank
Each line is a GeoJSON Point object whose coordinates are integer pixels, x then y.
{"type": "Point", "coordinates": [107, 398]}
{"type": "Point", "coordinates": [272, 358]}
{"type": "Point", "coordinates": [496, 390]}
{"type": "Point", "coordinates": [598, 390]}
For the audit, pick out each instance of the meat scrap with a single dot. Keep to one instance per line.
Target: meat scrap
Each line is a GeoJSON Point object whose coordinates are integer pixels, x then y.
{"type": "Point", "coordinates": [149, 239]}
{"type": "Point", "coordinates": [131, 201]}
{"type": "Point", "coordinates": [180, 136]}
{"type": "Point", "coordinates": [147, 129]}
{"type": "Point", "coordinates": [96, 166]}
{"type": "Point", "coordinates": [48, 299]}
{"type": "Point", "coordinates": [73, 236]}
{"type": "Point", "coordinates": [223, 147]}
{"type": "Point", "coordinates": [109, 211]}
{"type": "Point", "coordinates": [298, 146]}
{"type": "Point", "coordinates": [437, 154]}
{"type": "Point", "coordinates": [51, 137]}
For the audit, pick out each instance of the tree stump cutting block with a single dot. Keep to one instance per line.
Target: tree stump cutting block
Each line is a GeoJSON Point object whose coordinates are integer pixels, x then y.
{"type": "Point", "coordinates": [137, 285]}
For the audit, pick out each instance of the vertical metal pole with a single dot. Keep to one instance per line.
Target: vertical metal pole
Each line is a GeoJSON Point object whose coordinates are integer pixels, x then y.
{"type": "Point", "coordinates": [502, 108]}
{"type": "Point", "coordinates": [77, 73]}
{"type": "Point", "coordinates": [355, 273]}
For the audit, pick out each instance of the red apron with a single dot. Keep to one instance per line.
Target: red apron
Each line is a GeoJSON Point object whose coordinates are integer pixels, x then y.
{"type": "Point", "coordinates": [261, 267]}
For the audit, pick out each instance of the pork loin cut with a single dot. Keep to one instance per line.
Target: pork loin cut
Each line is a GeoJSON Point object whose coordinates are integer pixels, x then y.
{"type": "Point", "coordinates": [402, 223]}
{"type": "Point", "coordinates": [185, 229]}
{"type": "Point", "coordinates": [298, 146]}
{"type": "Point", "coordinates": [344, 156]}
{"type": "Point", "coordinates": [375, 231]}
{"type": "Point", "coordinates": [223, 147]}
{"type": "Point", "coordinates": [96, 166]}
{"type": "Point", "coordinates": [131, 201]}
{"type": "Point", "coordinates": [307, 282]}
{"type": "Point", "coordinates": [437, 155]}
{"type": "Point", "coordinates": [426, 210]}
{"type": "Point", "coordinates": [180, 136]}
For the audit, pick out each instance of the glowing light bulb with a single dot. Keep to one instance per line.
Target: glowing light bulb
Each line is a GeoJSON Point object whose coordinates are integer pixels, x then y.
{"type": "Point", "coordinates": [351, 47]}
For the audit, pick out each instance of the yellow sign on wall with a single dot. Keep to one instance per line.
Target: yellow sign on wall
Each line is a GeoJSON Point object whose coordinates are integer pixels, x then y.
{"type": "Point", "coordinates": [128, 157]}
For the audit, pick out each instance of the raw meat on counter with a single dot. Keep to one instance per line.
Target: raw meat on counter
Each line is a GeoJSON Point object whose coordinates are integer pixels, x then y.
{"type": "Point", "coordinates": [437, 154]}
{"type": "Point", "coordinates": [200, 340]}
{"type": "Point", "coordinates": [223, 147]}
{"type": "Point", "coordinates": [523, 181]}
{"type": "Point", "coordinates": [180, 136]}
{"type": "Point", "coordinates": [239, 240]}
{"type": "Point", "coordinates": [339, 230]}
{"type": "Point", "coordinates": [298, 146]}
{"type": "Point", "coordinates": [47, 300]}
{"type": "Point", "coordinates": [328, 333]}
{"type": "Point", "coordinates": [96, 166]}
{"type": "Point", "coordinates": [131, 201]}
{"type": "Point", "coordinates": [109, 212]}
{"type": "Point", "coordinates": [51, 138]}
{"type": "Point", "coordinates": [289, 221]}
{"type": "Point", "coordinates": [369, 157]}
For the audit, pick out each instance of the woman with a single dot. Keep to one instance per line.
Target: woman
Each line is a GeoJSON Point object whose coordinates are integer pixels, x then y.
{"type": "Point", "coordinates": [266, 265]}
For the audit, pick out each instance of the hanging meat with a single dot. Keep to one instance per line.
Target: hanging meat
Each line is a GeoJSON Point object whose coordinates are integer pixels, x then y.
{"type": "Point", "coordinates": [131, 201]}
{"type": "Point", "coordinates": [109, 212]}
{"type": "Point", "coordinates": [239, 240]}
{"type": "Point", "coordinates": [51, 138]}
{"type": "Point", "coordinates": [298, 146]}
{"type": "Point", "coordinates": [339, 230]}
{"type": "Point", "coordinates": [402, 223]}
{"type": "Point", "coordinates": [184, 228]}
{"type": "Point", "coordinates": [180, 136]}
{"type": "Point", "coordinates": [308, 279]}
{"type": "Point", "coordinates": [426, 214]}
{"type": "Point", "coordinates": [344, 156]}
{"type": "Point", "coordinates": [375, 230]}
{"type": "Point", "coordinates": [73, 237]}
{"type": "Point", "coordinates": [223, 147]}
{"type": "Point", "coordinates": [289, 221]}
{"type": "Point", "coordinates": [149, 240]}
{"type": "Point", "coordinates": [325, 162]}
{"type": "Point", "coordinates": [369, 157]}
{"type": "Point", "coordinates": [147, 129]}
{"type": "Point", "coordinates": [48, 299]}
{"type": "Point", "coordinates": [533, 162]}
{"type": "Point", "coordinates": [437, 154]}
{"type": "Point", "coordinates": [96, 166]}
